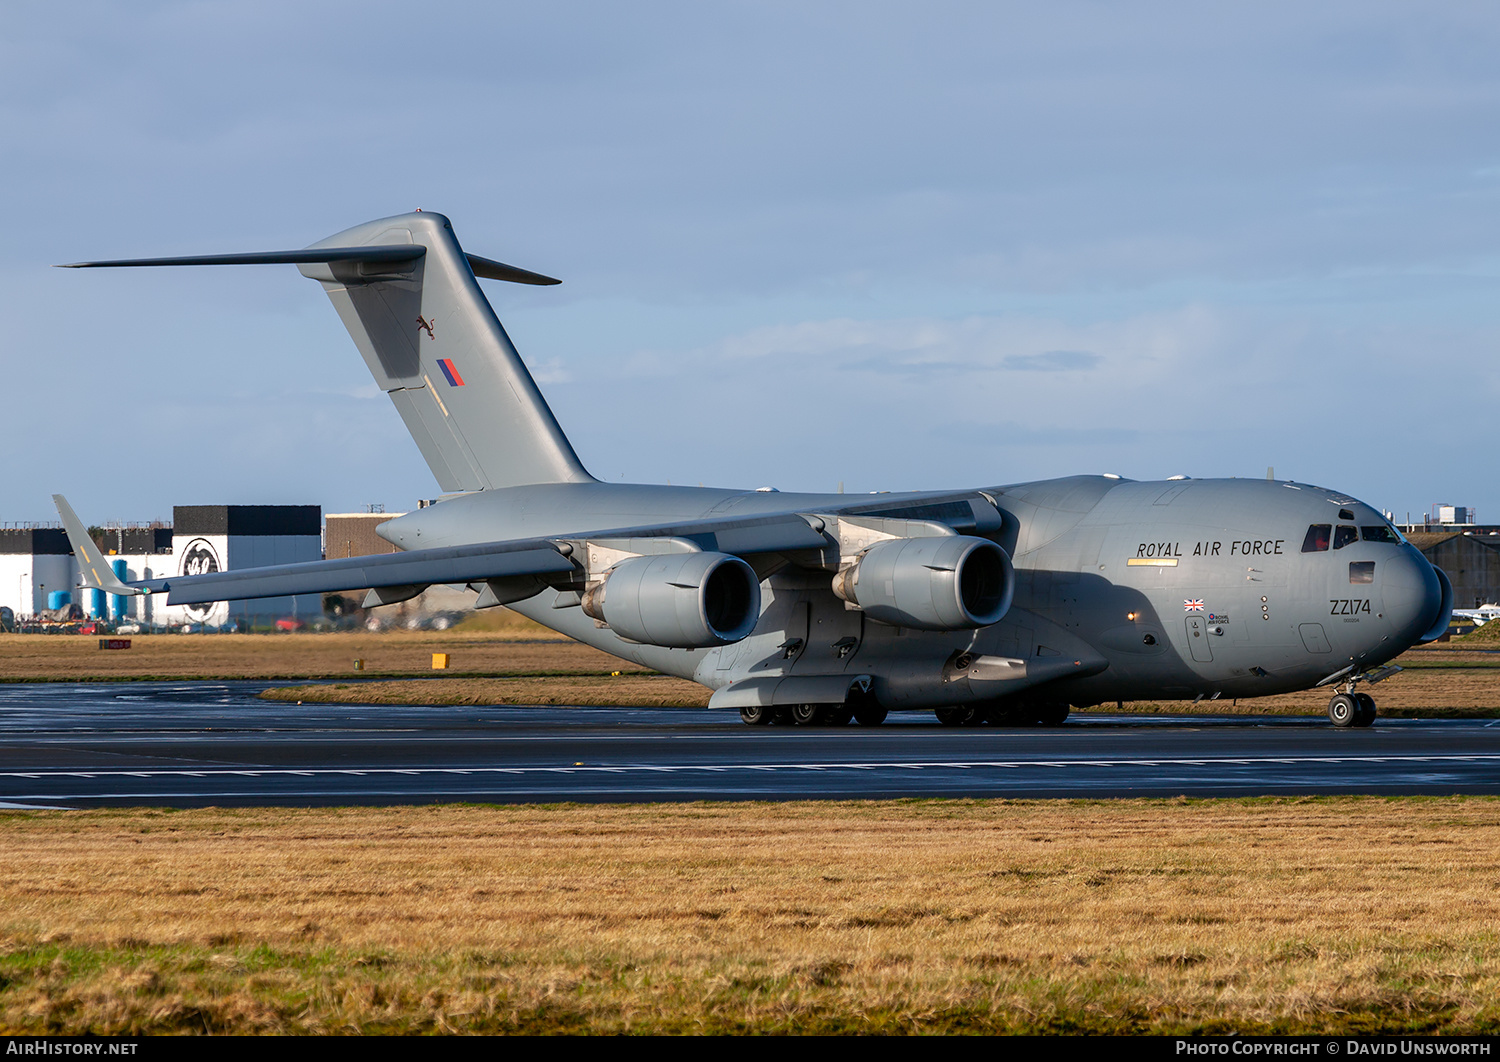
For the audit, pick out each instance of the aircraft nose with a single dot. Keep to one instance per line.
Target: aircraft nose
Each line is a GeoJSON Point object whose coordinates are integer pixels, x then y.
{"type": "Point", "coordinates": [1418, 598]}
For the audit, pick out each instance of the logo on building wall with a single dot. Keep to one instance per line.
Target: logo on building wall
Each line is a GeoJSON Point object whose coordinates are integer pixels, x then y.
{"type": "Point", "coordinates": [200, 558]}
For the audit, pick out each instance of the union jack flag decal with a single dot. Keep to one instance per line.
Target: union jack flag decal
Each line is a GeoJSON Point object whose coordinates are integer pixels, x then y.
{"type": "Point", "coordinates": [1195, 605]}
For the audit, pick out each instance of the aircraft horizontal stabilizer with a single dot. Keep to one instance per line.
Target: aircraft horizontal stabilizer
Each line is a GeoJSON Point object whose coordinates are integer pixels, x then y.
{"type": "Point", "coordinates": [493, 270]}
{"type": "Point", "coordinates": [404, 252]}
{"type": "Point", "coordinates": [395, 252]}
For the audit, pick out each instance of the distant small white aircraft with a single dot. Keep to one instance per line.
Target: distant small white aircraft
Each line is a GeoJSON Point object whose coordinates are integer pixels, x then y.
{"type": "Point", "coordinates": [1479, 616]}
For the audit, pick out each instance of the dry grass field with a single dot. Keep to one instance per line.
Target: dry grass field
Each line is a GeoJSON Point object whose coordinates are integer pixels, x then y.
{"type": "Point", "coordinates": [77, 658]}
{"type": "Point", "coordinates": [629, 689]}
{"type": "Point", "coordinates": [1336, 915]}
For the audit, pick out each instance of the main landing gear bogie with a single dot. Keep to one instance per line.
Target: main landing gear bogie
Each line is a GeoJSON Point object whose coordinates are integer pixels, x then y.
{"type": "Point", "coordinates": [813, 715]}
{"type": "Point", "coordinates": [1351, 710]}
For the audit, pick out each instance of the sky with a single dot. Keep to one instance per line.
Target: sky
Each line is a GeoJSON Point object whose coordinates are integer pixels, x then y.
{"type": "Point", "coordinates": [888, 246]}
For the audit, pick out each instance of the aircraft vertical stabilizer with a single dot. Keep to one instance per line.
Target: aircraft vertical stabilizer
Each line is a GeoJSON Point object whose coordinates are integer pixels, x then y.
{"type": "Point", "coordinates": [433, 343]}
{"type": "Point", "coordinates": [409, 296]}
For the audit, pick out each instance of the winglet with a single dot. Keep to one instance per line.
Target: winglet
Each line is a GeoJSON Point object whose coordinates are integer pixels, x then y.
{"type": "Point", "coordinates": [97, 574]}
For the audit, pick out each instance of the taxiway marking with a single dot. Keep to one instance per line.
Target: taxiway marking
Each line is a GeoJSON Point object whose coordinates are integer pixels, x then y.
{"type": "Point", "coordinates": [907, 765]}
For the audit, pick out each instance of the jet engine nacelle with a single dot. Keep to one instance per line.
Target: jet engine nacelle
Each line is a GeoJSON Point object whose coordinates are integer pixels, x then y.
{"type": "Point", "coordinates": [934, 584]}
{"type": "Point", "coordinates": [678, 600]}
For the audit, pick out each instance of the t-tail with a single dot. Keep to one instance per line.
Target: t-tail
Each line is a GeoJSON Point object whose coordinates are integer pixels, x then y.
{"type": "Point", "coordinates": [409, 296]}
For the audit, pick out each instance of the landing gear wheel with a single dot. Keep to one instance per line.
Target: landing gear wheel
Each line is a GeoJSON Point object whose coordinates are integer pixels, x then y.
{"type": "Point", "coordinates": [872, 715]}
{"type": "Point", "coordinates": [837, 715]}
{"type": "Point", "coordinates": [1343, 710]}
{"type": "Point", "coordinates": [1367, 710]}
{"type": "Point", "coordinates": [760, 715]}
{"type": "Point", "coordinates": [955, 716]}
{"type": "Point", "coordinates": [781, 715]}
{"type": "Point", "coordinates": [807, 714]}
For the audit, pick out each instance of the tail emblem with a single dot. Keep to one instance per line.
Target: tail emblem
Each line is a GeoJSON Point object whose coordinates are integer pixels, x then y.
{"type": "Point", "coordinates": [425, 325]}
{"type": "Point", "coordinates": [451, 372]}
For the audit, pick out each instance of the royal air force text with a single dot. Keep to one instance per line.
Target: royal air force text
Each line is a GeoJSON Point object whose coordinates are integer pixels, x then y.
{"type": "Point", "coordinates": [1246, 547]}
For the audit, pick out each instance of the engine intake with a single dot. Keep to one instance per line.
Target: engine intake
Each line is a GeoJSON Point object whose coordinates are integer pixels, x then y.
{"type": "Point", "coordinates": [933, 584]}
{"type": "Point", "coordinates": [678, 600]}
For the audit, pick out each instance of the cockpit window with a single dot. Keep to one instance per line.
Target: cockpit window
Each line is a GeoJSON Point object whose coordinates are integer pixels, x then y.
{"type": "Point", "coordinates": [1317, 538]}
{"type": "Point", "coordinates": [1344, 535]}
{"type": "Point", "coordinates": [1345, 514]}
{"type": "Point", "coordinates": [1379, 534]}
{"type": "Point", "coordinates": [1362, 571]}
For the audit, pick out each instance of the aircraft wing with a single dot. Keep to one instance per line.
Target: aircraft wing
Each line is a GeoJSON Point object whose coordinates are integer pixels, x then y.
{"type": "Point", "coordinates": [456, 564]}
{"type": "Point", "coordinates": [551, 559]}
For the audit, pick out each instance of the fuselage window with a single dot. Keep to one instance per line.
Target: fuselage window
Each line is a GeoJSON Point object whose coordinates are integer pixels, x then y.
{"type": "Point", "coordinates": [1379, 534]}
{"type": "Point", "coordinates": [1344, 534]}
{"type": "Point", "coordinates": [1362, 571]}
{"type": "Point", "coordinates": [1317, 538]}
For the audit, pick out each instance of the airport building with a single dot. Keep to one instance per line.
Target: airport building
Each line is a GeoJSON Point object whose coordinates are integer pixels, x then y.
{"type": "Point", "coordinates": [1471, 561]}
{"type": "Point", "coordinates": [35, 562]}
{"type": "Point", "coordinates": [38, 572]}
{"type": "Point", "coordinates": [354, 535]}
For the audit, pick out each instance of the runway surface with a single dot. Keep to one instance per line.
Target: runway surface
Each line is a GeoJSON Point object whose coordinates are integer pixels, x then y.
{"type": "Point", "coordinates": [197, 744]}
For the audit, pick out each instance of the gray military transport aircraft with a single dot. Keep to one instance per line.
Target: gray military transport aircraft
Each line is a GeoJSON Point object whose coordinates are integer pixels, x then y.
{"type": "Point", "coordinates": [999, 604]}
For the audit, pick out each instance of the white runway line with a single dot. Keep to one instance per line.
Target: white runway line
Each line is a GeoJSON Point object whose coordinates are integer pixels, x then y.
{"type": "Point", "coordinates": [908, 765]}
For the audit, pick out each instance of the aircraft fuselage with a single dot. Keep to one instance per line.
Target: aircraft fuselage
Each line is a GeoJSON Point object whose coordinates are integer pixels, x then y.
{"type": "Point", "coordinates": [1123, 590]}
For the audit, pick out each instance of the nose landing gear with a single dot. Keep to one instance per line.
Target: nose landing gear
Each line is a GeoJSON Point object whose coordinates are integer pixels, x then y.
{"type": "Point", "coordinates": [1348, 708]}
{"type": "Point", "coordinates": [1351, 709]}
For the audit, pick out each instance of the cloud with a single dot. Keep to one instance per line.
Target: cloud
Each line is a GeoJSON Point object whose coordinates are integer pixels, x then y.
{"type": "Point", "coordinates": [1051, 361]}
